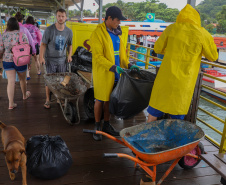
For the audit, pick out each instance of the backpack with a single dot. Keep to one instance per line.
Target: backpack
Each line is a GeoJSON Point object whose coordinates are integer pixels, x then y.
{"type": "Point", "coordinates": [21, 52]}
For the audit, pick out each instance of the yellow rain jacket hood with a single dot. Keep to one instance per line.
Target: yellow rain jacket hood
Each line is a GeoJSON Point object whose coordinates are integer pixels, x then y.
{"type": "Point", "coordinates": [182, 43]}
{"type": "Point", "coordinates": [102, 60]}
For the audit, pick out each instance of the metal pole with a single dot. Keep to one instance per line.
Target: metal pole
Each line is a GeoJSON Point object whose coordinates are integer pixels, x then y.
{"type": "Point", "coordinates": [64, 4]}
{"type": "Point", "coordinates": [100, 10]}
{"type": "Point", "coordinates": [192, 3]}
{"type": "Point", "coordinates": [1, 18]}
{"type": "Point", "coordinates": [82, 3]}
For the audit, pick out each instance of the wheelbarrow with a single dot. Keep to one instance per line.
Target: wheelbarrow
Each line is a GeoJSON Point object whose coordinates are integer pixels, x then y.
{"type": "Point", "coordinates": [159, 142]}
{"type": "Point", "coordinates": [75, 88]}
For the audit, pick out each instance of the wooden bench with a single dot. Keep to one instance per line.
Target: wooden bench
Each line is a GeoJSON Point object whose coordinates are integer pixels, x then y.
{"type": "Point", "coordinates": [87, 76]}
{"type": "Point", "coordinates": [218, 163]}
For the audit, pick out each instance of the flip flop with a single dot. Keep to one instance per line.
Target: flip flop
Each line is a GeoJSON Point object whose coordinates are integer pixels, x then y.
{"type": "Point", "coordinates": [39, 73]}
{"type": "Point", "coordinates": [47, 105]}
{"type": "Point", "coordinates": [28, 94]}
{"type": "Point", "coordinates": [28, 78]}
{"type": "Point", "coordinates": [13, 107]}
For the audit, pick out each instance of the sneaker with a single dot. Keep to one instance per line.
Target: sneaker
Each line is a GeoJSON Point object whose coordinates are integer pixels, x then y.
{"type": "Point", "coordinates": [108, 128]}
{"type": "Point", "coordinates": [97, 137]}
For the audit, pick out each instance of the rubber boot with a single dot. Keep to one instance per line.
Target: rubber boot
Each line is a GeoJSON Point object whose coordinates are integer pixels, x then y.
{"type": "Point", "coordinates": [97, 137]}
{"type": "Point", "coordinates": [108, 128]}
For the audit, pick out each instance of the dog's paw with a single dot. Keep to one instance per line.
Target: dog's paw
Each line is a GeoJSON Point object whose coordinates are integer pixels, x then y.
{"type": "Point", "coordinates": [12, 176]}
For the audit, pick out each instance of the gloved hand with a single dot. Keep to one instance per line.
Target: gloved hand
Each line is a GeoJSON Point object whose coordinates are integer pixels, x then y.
{"type": "Point", "coordinates": [119, 70]}
{"type": "Point", "coordinates": [135, 67]}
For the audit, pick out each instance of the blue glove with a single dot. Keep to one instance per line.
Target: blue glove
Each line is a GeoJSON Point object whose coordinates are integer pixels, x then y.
{"type": "Point", "coordinates": [135, 67]}
{"type": "Point", "coordinates": [119, 70]}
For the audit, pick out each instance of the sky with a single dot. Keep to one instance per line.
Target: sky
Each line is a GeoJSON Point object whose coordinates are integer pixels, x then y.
{"type": "Point", "coordinates": [179, 4]}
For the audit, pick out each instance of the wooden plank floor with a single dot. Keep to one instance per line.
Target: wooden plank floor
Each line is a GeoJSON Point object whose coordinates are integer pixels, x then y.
{"type": "Point", "coordinates": [89, 168]}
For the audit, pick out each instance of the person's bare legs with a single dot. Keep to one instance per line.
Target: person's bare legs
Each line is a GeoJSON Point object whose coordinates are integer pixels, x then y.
{"type": "Point", "coordinates": [107, 127]}
{"type": "Point", "coordinates": [47, 94]}
{"type": "Point", "coordinates": [98, 107]}
{"type": "Point", "coordinates": [37, 64]}
{"type": "Point", "coordinates": [106, 111]}
{"type": "Point", "coordinates": [151, 118]}
{"type": "Point", "coordinates": [28, 70]}
{"type": "Point", "coordinates": [23, 84]}
{"type": "Point", "coordinates": [11, 76]}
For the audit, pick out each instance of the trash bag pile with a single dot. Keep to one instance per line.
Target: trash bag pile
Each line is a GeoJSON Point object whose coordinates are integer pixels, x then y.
{"type": "Point", "coordinates": [132, 93]}
{"type": "Point", "coordinates": [48, 157]}
{"type": "Point", "coordinates": [82, 60]}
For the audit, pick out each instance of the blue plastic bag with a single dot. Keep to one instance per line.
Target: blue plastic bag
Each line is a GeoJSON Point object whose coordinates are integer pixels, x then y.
{"type": "Point", "coordinates": [4, 76]}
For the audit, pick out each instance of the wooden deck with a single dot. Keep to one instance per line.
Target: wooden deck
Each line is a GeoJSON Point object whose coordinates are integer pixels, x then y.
{"type": "Point", "coordinates": [89, 168]}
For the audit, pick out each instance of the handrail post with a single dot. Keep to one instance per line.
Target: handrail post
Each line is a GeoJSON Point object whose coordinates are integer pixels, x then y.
{"type": "Point", "coordinates": [147, 58]}
{"type": "Point", "coordinates": [128, 50]}
{"type": "Point", "coordinates": [223, 140]}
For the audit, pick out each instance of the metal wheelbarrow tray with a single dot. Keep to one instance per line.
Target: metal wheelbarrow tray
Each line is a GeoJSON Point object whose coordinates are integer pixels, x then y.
{"type": "Point", "coordinates": [158, 142]}
{"type": "Point", "coordinates": [75, 88]}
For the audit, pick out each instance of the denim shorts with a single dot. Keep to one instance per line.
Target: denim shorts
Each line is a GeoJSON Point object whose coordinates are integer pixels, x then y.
{"type": "Point", "coordinates": [11, 66]}
{"type": "Point", "coordinates": [157, 113]}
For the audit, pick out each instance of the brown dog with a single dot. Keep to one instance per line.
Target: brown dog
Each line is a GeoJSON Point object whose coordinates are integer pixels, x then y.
{"type": "Point", "coordinates": [14, 150]}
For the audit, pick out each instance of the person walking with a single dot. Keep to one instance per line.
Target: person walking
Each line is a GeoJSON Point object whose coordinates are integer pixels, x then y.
{"type": "Point", "coordinates": [9, 38]}
{"type": "Point", "coordinates": [37, 37]}
{"type": "Point", "coordinates": [24, 30]}
{"type": "Point", "coordinates": [55, 41]}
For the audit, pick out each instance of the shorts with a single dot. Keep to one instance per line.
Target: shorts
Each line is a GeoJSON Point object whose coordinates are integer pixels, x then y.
{"type": "Point", "coordinates": [56, 68]}
{"type": "Point", "coordinates": [157, 113]}
{"type": "Point", "coordinates": [37, 49]}
{"type": "Point", "coordinates": [11, 66]}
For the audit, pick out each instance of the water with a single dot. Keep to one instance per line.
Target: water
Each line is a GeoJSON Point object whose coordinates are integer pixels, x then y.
{"type": "Point", "coordinates": [214, 110]}
{"type": "Point", "coordinates": [222, 55]}
{"type": "Point", "coordinates": [217, 111]}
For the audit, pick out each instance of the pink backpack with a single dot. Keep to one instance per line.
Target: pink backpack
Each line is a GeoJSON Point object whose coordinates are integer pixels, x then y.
{"type": "Point", "coordinates": [21, 52]}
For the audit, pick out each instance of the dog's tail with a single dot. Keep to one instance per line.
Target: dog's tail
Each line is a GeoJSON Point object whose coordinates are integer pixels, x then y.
{"type": "Point", "coordinates": [2, 125]}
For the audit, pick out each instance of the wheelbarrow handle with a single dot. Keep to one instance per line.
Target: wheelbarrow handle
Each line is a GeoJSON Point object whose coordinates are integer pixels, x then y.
{"type": "Point", "coordinates": [110, 155]}
{"type": "Point", "coordinates": [89, 131]}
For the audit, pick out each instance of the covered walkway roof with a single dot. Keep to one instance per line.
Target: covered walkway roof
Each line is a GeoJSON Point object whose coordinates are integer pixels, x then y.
{"type": "Point", "coordinates": [39, 8]}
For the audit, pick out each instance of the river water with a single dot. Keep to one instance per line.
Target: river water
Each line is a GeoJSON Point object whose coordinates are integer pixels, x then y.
{"type": "Point", "coordinates": [214, 110]}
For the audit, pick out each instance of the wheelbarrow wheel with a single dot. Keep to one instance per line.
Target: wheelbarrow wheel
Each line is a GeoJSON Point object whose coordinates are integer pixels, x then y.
{"type": "Point", "coordinates": [188, 162]}
{"type": "Point", "coordinates": [71, 113]}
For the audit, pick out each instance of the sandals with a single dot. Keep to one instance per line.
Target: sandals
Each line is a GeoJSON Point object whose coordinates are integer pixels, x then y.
{"type": "Point", "coordinates": [14, 106]}
{"type": "Point", "coordinates": [28, 78]}
{"type": "Point", "coordinates": [47, 105]}
{"type": "Point", "coordinates": [28, 94]}
{"type": "Point", "coordinates": [39, 73]}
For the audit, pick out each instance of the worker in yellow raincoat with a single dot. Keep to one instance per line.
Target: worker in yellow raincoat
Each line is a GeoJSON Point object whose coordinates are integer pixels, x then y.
{"type": "Point", "coordinates": [183, 44]}
{"type": "Point", "coordinates": [108, 56]}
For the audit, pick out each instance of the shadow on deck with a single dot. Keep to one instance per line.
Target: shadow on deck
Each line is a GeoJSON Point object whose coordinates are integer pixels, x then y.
{"type": "Point", "coordinates": [89, 168]}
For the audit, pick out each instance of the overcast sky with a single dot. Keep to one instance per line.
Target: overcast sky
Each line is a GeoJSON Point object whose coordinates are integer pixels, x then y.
{"type": "Point", "coordinates": [179, 4]}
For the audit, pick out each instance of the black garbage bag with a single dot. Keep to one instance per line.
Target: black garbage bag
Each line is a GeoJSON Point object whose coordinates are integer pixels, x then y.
{"type": "Point", "coordinates": [82, 60]}
{"type": "Point", "coordinates": [48, 157]}
{"type": "Point", "coordinates": [132, 93]}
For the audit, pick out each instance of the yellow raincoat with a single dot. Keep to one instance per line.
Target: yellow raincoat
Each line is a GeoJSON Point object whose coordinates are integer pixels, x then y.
{"type": "Point", "coordinates": [182, 43]}
{"type": "Point", "coordinates": [102, 60]}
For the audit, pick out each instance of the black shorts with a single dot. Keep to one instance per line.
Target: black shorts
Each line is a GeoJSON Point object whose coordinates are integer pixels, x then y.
{"type": "Point", "coordinates": [37, 49]}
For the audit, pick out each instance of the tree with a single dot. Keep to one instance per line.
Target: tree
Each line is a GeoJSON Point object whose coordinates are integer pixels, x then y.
{"type": "Point", "coordinates": [221, 27]}
{"type": "Point", "coordinates": [210, 28]}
